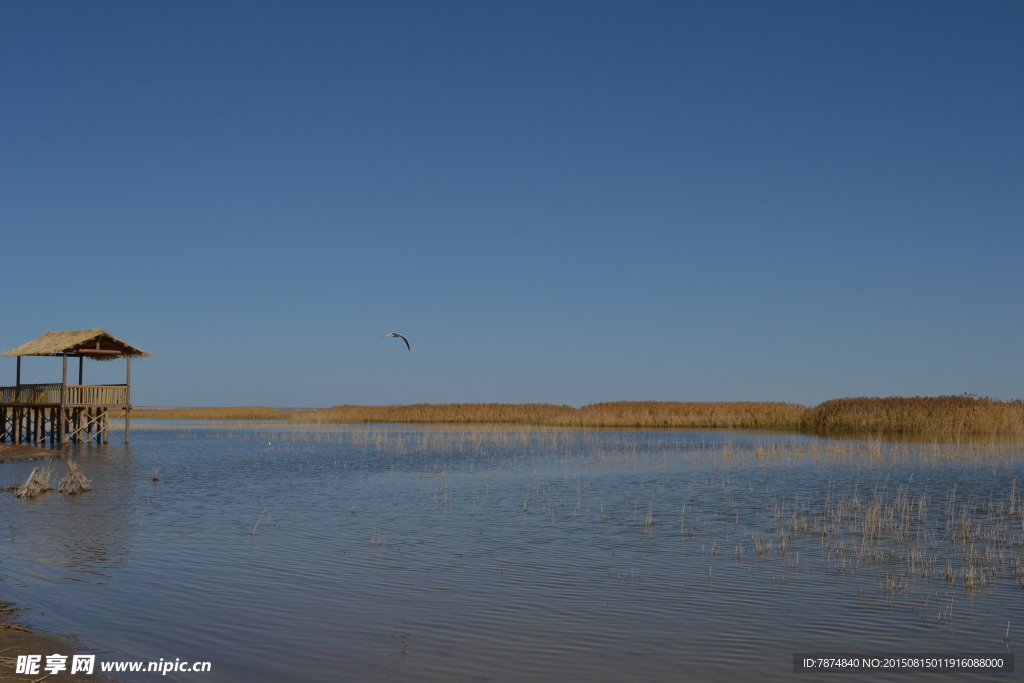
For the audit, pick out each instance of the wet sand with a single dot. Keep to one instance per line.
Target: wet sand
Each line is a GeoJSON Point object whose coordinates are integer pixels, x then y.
{"type": "Point", "coordinates": [17, 639]}
{"type": "Point", "coordinates": [23, 452]}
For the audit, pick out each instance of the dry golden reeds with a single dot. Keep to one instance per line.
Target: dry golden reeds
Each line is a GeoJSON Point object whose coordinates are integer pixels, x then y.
{"type": "Point", "coordinates": [942, 415]}
{"type": "Point", "coordinates": [620, 414]}
{"type": "Point", "coordinates": [240, 413]}
{"type": "Point", "coordinates": [450, 413]}
{"type": "Point", "coordinates": [676, 415]}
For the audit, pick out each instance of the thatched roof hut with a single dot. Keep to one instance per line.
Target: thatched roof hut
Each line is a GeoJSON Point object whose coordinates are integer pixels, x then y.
{"type": "Point", "coordinates": [96, 344]}
{"type": "Point", "coordinates": [65, 412]}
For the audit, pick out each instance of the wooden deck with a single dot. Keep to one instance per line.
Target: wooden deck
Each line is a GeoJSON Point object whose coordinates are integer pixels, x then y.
{"type": "Point", "coordinates": [35, 395]}
{"type": "Point", "coordinates": [59, 413]}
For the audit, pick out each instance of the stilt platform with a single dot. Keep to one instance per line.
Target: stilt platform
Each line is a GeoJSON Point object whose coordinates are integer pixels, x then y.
{"type": "Point", "coordinates": [67, 413]}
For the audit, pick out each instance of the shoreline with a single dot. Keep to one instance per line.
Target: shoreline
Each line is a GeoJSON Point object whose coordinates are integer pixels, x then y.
{"type": "Point", "coordinates": [11, 453]}
{"type": "Point", "coordinates": [19, 639]}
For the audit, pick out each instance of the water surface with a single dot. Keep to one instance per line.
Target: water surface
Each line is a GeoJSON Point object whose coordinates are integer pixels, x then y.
{"type": "Point", "coordinates": [420, 554]}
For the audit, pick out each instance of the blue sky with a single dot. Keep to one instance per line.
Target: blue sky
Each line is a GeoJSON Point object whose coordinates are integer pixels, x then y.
{"type": "Point", "coordinates": [563, 202]}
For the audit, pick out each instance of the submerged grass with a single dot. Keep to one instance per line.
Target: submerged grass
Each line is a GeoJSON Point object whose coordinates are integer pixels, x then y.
{"type": "Point", "coordinates": [945, 415]}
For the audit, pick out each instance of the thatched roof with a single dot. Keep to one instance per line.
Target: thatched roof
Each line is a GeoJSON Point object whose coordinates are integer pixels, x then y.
{"type": "Point", "coordinates": [91, 343]}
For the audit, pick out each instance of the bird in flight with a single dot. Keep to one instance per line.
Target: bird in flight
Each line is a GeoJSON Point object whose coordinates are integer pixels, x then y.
{"type": "Point", "coordinates": [400, 336]}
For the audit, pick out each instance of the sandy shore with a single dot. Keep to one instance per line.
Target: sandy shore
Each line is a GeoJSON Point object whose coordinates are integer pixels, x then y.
{"type": "Point", "coordinates": [17, 639]}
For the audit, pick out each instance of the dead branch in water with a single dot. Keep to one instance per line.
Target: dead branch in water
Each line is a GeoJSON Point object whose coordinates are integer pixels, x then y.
{"type": "Point", "coordinates": [38, 481]}
{"type": "Point", "coordinates": [74, 482]}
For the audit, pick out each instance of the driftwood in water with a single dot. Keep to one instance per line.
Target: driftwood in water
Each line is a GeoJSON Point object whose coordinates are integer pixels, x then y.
{"type": "Point", "coordinates": [37, 482]}
{"type": "Point", "coordinates": [74, 482]}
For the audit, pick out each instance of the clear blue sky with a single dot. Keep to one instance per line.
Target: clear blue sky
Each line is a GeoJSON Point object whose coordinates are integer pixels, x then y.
{"type": "Point", "coordinates": [563, 202]}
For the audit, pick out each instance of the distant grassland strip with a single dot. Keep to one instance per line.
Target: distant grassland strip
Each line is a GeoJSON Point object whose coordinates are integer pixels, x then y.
{"type": "Point", "coordinates": [240, 413]}
{"type": "Point", "coordinates": [918, 415]}
{"type": "Point", "coordinates": [621, 414]}
{"type": "Point", "coordinates": [444, 413]}
{"type": "Point", "coordinates": [670, 414]}
{"type": "Point", "coordinates": [448, 413]}
{"type": "Point", "coordinates": [633, 414]}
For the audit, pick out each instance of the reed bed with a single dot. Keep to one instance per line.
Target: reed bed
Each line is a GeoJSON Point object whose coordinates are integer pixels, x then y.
{"type": "Point", "coordinates": [620, 414]}
{"type": "Point", "coordinates": [692, 415]}
{"type": "Point", "coordinates": [953, 416]}
{"type": "Point", "coordinates": [940, 414]}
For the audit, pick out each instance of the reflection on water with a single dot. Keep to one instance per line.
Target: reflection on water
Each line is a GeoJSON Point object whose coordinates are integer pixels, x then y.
{"type": "Point", "coordinates": [418, 554]}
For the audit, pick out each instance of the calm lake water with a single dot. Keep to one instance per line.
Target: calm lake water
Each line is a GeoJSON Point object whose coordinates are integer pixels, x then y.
{"type": "Point", "coordinates": [409, 554]}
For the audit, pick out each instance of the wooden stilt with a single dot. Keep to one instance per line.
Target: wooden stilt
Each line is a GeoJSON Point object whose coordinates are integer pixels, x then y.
{"type": "Point", "coordinates": [63, 401]}
{"type": "Point", "coordinates": [128, 399]}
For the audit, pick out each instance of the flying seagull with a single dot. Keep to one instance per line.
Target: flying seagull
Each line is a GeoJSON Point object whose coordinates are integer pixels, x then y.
{"type": "Point", "coordinates": [400, 336]}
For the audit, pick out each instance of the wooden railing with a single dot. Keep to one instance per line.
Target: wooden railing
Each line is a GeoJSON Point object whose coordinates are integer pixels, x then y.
{"type": "Point", "coordinates": [97, 395]}
{"type": "Point", "coordinates": [31, 394]}
{"type": "Point", "coordinates": [77, 394]}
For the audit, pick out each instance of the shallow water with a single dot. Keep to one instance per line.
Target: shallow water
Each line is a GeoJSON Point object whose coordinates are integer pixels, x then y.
{"type": "Point", "coordinates": [414, 554]}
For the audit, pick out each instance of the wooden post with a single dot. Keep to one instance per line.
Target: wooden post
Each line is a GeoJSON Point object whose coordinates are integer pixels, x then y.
{"type": "Point", "coordinates": [63, 399]}
{"type": "Point", "coordinates": [80, 359]}
{"type": "Point", "coordinates": [16, 423]}
{"type": "Point", "coordinates": [128, 399]}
